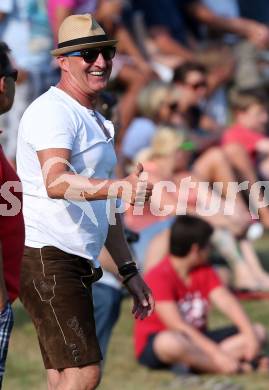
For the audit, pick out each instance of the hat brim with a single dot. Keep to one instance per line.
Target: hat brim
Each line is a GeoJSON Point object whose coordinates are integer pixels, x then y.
{"type": "Point", "coordinates": [69, 49]}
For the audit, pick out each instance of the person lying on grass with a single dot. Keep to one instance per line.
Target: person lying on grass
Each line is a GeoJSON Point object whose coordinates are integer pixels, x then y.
{"type": "Point", "coordinates": [184, 286]}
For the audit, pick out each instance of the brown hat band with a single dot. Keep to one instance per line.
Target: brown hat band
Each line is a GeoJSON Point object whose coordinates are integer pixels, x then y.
{"type": "Point", "coordinates": [78, 41]}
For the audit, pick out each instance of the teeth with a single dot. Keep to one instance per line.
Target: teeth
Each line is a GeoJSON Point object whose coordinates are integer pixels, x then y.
{"type": "Point", "coordinates": [97, 73]}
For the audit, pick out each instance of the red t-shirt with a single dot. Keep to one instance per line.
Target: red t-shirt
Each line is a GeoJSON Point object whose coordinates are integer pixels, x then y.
{"type": "Point", "coordinates": [192, 299]}
{"type": "Point", "coordinates": [11, 225]}
{"type": "Point", "coordinates": [242, 135]}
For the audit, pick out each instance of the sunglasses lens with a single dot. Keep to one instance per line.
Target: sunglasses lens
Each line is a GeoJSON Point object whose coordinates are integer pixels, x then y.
{"type": "Point", "coordinates": [173, 106]}
{"type": "Point", "coordinates": [92, 54]}
{"type": "Point", "coordinates": [202, 84]}
{"type": "Point", "coordinates": [108, 52]}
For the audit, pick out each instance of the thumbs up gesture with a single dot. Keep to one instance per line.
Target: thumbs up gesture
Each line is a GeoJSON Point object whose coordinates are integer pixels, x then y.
{"type": "Point", "coordinates": [140, 189]}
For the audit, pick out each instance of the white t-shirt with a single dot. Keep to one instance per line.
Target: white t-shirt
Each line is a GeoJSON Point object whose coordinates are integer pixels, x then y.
{"type": "Point", "coordinates": [56, 120]}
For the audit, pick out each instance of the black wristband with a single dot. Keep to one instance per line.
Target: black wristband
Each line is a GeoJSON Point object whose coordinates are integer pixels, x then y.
{"type": "Point", "coordinates": [126, 280]}
{"type": "Point", "coordinates": [128, 269]}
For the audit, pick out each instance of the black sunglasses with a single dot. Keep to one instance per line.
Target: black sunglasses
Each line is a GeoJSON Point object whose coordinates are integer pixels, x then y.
{"type": "Point", "coordinates": [91, 55]}
{"type": "Point", "coordinates": [198, 85]}
{"type": "Point", "coordinates": [173, 106]}
{"type": "Point", "coordinates": [13, 74]}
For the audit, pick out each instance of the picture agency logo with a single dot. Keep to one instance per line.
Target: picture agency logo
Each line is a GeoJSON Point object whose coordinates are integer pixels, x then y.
{"type": "Point", "coordinates": [84, 196]}
{"type": "Point", "coordinates": [10, 204]}
{"type": "Point", "coordinates": [202, 198]}
{"type": "Point", "coordinates": [77, 193]}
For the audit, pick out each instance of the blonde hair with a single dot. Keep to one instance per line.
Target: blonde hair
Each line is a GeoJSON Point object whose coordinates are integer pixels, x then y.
{"type": "Point", "coordinates": [152, 97]}
{"type": "Point", "coordinates": [165, 141]}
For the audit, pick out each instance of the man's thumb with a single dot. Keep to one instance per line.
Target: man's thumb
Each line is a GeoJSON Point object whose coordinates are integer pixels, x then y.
{"type": "Point", "coordinates": [139, 169]}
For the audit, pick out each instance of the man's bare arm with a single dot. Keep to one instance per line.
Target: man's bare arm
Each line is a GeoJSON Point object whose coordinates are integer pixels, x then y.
{"type": "Point", "coordinates": [250, 29]}
{"type": "Point", "coordinates": [230, 307]}
{"type": "Point", "coordinates": [226, 302]}
{"type": "Point", "coordinates": [62, 183]}
{"type": "Point", "coordinates": [116, 243]}
{"type": "Point", "coordinates": [61, 13]}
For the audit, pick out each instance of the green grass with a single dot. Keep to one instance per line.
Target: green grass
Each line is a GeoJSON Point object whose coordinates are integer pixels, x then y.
{"type": "Point", "coordinates": [25, 370]}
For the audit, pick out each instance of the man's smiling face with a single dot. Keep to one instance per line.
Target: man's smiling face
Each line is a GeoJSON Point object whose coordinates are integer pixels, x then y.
{"type": "Point", "coordinates": [89, 78]}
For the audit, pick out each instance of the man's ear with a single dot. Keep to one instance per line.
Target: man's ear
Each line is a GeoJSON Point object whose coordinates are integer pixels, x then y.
{"type": "Point", "coordinates": [2, 84]}
{"type": "Point", "coordinates": [195, 249]}
{"type": "Point", "coordinates": [63, 63]}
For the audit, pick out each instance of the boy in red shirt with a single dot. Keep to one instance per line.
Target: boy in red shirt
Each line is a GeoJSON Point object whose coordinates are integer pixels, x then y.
{"type": "Point", "coordinates": [11, 219]}
{"type": "Point", "coordinates": [184, 286]}
{"type": "Point", "coordinates": [249, 128]}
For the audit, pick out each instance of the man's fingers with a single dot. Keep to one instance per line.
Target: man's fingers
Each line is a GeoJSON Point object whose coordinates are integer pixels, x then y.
{"type": "Point", "coordinates": [143, 298]}
{"type": "Point", "coordinates": [143, 302]}
{"type": "Point", "coordinates": [135, 305]}
{"type": "Point", "coordinates": [141, 312]}
{"type": "Point", "coordinates": [151, 303]}
{"type": "Point", "coordinates": [144, 313]}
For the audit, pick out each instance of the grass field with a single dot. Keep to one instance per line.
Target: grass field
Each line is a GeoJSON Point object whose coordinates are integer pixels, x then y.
{"type": "Point", "coordinates": [25, 372]}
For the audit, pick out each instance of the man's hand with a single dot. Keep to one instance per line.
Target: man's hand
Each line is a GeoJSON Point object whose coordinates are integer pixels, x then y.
{"type": "Point", "coordinates": [140, 190]}
{"type": "Point", "coordinates": [252, 348]}
{"type": "Point", "coordinates": [142, 296]}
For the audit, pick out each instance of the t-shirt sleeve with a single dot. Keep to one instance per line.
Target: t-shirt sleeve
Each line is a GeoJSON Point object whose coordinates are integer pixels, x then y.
{"type": "Point", "coordinates": [160, 286]}
{"type": "Point", "coordinates": [50, 127]}
{"type": "Point", "coordinates": [211, 280]}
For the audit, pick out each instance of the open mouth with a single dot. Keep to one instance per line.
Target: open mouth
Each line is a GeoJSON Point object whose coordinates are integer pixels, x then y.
{"type": "Point", "coordinates": [97, 73]}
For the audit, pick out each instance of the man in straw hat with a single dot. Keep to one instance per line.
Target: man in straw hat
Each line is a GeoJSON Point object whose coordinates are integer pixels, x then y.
{"type": "Point", "coordinates": [65, 159]}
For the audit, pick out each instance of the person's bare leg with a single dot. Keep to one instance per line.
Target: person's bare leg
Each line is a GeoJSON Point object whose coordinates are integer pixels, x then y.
{"type": "Point", "coordinates": [240, 161]}
{"type": "Point", "coordinates": [175, 348]}
{"type": "Point", "coordinates": [53, 377]}
{"type": "Point", "coordinates": [236, 345]}
{"type": "Point", "coordinates": [254, 263]}
{"type": "Point", "coordinates": [228, 247]}
{"type": "Point", "coordinates": [134, 81]}
{"type": "Point", "coordinates": [213, 166]}
{"type": "Point", "coordinates": [78, 378]}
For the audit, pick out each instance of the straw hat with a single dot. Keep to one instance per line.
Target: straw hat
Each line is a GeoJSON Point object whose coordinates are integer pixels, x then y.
{"type": "Point", "coordinates": [78, 32]}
